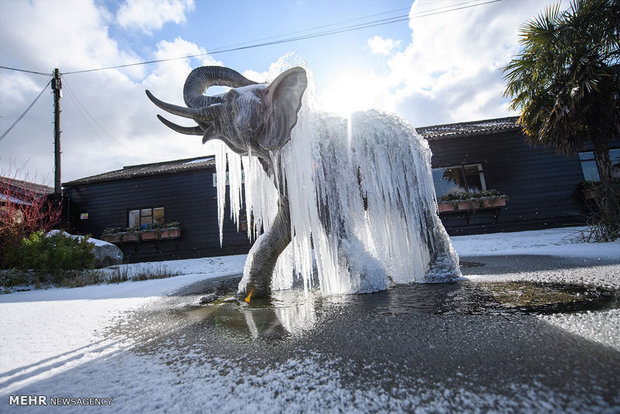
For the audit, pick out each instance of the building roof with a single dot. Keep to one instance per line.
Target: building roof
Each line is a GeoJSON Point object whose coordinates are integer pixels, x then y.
{"type": "Point", "coordinates": [485, 127]}
{"type": "Point", "coordinates": [168, 167]}
{"type": "Point", "coordinates": [27, 186]}
{"type": "Point", "coordinates": [145, 170]}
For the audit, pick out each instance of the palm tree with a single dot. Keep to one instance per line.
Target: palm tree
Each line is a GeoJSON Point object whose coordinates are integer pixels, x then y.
{"type": "Point", "coordinates": [565, 82]}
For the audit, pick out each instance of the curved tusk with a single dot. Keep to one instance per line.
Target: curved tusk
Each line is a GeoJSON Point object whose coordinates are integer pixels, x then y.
{"type": "Point", "coordinates": [209, 134]}
{"type": "Point", "coordinates": [173, 109]}
{"type": "Point", "coordinates": [196, 130]}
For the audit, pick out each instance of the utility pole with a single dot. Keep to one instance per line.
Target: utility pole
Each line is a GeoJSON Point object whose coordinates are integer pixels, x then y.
{"type": "Point", "coordinates": [57, 88]}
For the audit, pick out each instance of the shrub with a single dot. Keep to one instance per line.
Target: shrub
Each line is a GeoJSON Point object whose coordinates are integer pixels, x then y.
{"type": "Point", "coordinates": [52, 254]}
{"type": "Point", "coordinates": [23, 211]}
{"type": "Point", "coordinates": [604, 223]}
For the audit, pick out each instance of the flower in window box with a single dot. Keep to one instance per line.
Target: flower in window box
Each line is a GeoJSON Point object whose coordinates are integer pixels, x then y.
{"type": "Point", "coordinates": [170, 232]}
{"type": "Point", "coordinates": [111, 238]}
{"type": "Point", "coordinates": [112, 234]}
{"type": "Point", "coordinates": [149, 234]}
{"type": "Point", "coordinates": [130, 236]}
{"type": "Point", "coordinates": [465, 200]}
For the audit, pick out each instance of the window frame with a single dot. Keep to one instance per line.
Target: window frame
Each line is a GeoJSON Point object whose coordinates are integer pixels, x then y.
{"type": "Point", "coordinates": [590, 158]}
{"type": "Point", "coordinates": [143, 213]}
{"type": "Point", "coordinates": [462, 168]}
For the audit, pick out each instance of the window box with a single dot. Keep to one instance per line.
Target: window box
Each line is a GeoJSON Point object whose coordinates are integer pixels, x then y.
{"type": "Point", "coordinates": [149, 235]}
{"type": "Point", "coordinates": [112, 235]}
{"type": "Point", "coordinates": [130, 237]}
{"type": "Point", "coordinates": [170, 233]}
{"type": "Point", "coordinates": [478, 204]}
{"type": "Point", "coordinates": [111, 238]}
{"type": "Point", "coordinates": [465, 201]}
{"type": "Point", "coordinates": [589, 194]}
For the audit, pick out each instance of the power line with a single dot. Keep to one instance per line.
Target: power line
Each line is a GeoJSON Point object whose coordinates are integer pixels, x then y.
{"type": "Point", "coordinates": [315, 28]}
{"type": "Point", "coordinates": [432, 13]}
{"type": "Point", "coordinates": [253, 45]}
{"type": "Point", "coordinates": [244, 46]}
{"type": "Point", "coordinates": [375, 23]}
{"type": "Point", "coordinates": [25, 71]}
{"type": "Point", "coordinates": [26, 111]}
{"type": "Point", "coordinates": [85, 115]}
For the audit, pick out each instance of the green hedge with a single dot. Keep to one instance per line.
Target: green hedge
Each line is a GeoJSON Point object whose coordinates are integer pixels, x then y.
{"type": "Point", "coordinates": [51, 254]}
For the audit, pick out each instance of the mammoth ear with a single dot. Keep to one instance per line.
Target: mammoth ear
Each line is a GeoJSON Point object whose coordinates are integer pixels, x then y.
{"type": "Point", "coordinates": [284, 99]}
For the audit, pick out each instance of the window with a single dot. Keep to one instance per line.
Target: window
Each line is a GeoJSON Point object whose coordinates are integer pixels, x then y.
{"type": "Point", "coordinates": [146, 216]}
{"type": "Point", "coordinates": [459, 178]}
{"type": "Point", "coordinates": [228, 178]}
{"type": "Point", "coordinates": [589, 167]}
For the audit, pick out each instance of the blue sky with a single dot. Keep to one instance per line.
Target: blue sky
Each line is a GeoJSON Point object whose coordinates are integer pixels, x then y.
{"type": "Point", "coordinates": [441, 64]}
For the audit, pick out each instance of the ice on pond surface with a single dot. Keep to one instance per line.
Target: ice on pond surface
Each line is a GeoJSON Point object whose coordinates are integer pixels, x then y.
{"type": "Point", "coordinates": [362, 203]}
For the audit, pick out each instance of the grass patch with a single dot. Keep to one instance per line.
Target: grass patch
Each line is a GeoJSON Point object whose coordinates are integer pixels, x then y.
{"type": "Point", "coordinates": [124, 273]}
{"type": "Point", "coordinates": [12, 280]}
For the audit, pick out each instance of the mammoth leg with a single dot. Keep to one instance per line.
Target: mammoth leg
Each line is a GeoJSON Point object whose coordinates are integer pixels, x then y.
{"type": "Point", "coordinates": [264, 254]}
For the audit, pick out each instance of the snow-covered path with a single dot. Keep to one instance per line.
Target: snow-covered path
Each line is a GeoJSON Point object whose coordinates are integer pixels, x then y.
{"type": "Point", "coordinates": [58, 343]}
{"type": "Point", "coordinates": [49, 331]}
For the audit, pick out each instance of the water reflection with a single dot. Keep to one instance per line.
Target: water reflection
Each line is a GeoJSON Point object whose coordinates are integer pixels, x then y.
{"type": "Point", "coordinates": [292, 312]}
{"type": "Point", "coordinates": [286, 313]}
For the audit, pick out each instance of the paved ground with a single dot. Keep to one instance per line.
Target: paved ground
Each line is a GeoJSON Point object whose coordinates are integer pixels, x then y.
{"type": "Point", "coordinates": [452, 346]}
{"type": "Point", "coordinates": [425, 348]}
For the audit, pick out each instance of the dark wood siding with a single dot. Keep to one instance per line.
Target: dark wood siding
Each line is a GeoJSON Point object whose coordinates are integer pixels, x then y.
{"type": "Point", "coordinates": [188, 197]}
{"type": "Point", "coordinates": [542, 185]}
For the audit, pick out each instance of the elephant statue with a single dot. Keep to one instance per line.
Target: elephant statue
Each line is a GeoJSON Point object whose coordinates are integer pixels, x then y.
{"type": "Point", "coordinates": [251, 118]}
{"type": "Point", "coordinates": [376, 218]}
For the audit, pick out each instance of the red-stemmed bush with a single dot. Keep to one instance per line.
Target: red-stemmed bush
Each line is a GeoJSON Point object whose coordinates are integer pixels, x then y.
{"type": "Point", "coordinates": [25, 208]}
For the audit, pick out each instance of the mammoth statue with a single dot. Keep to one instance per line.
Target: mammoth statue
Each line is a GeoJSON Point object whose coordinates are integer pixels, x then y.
{"type": "Point", "coordinates": [251, 118]}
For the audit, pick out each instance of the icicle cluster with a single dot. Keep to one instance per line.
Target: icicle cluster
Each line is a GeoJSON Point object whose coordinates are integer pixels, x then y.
{"type": "Point", "coordinates": [362, 204]}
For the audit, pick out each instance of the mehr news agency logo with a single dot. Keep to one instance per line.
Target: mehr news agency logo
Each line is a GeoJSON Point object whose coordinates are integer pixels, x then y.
{"type": "Point", "coordinates": [42, 400]}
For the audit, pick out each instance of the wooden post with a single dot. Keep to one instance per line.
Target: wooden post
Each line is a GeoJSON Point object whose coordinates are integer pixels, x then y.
{"type": "Point", "coordinates": [57, 88]}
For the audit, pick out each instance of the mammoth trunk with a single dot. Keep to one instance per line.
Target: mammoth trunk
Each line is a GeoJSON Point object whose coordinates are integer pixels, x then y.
{"type": "Point", "coordinates": [358, 211]}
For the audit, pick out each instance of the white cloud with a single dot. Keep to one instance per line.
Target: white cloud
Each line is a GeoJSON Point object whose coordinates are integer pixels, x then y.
{"type": "Point", "coordinates": [151, 15]}
{"type": "Point", "coordinates": [106, 120]}
{"type": "Point", "coordinates": [381, 46]}
{"type": "Point", "coordinates": [451, 70]}
{"type": "Point", "coordinates": [167, 78]}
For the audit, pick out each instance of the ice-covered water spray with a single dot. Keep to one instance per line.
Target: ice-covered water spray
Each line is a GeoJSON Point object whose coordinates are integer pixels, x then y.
{"type": "Point", "coordinates": [361, 200]}
{"type": "Point", "coordinates": [340, 205]}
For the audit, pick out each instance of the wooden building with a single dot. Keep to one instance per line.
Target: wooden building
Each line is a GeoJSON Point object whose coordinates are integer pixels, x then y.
{"type": "Point", "coordinates": [542, 189]}
{"type": "Point", "coordinates": [154, 195]}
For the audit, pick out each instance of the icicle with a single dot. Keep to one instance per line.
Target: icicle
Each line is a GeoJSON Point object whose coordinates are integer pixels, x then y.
{"type": "Point", "coordinates": [220, 171]}
{"type": "Point", "coordinates": [361, 198]}
{"type": "Point", "coordinates": [235, 180]}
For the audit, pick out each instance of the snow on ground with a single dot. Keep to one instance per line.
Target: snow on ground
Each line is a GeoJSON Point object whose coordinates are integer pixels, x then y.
{"type": "Point", "coordinates": [47, 335]}
{"type": "Point", "coordinates": [564, 242]}
{"type": "Point", "coordinates": [48, 331]}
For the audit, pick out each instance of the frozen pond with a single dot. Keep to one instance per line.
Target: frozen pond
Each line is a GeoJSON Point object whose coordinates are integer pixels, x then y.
{"type": "Point", "coordinates": [290, 313]}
